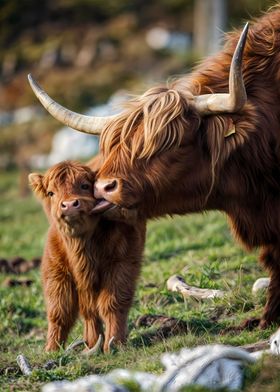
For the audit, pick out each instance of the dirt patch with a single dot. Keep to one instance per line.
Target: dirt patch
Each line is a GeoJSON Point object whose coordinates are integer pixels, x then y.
{"type": "Point", "coordinates": [248, 324]}
{"type": "Point", "coordinates": [18, 265]}
{"type": "Point", "coordinates": [162, 327]}
{"type": "Point", "coordinates": [17, 282]}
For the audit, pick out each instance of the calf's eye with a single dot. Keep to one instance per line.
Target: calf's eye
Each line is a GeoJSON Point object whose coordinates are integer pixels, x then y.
{"type": "Point", "coordinates": [85, 186]}
{"type": "Point", "coordinates": [50, 193]}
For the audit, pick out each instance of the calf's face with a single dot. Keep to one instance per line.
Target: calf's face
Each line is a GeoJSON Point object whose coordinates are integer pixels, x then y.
{"type": "Point", "coordinates": [66, 191]}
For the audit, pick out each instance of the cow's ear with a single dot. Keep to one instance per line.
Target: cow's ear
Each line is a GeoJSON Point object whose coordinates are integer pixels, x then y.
{"type": "Point", "coordinates": [36, 183]}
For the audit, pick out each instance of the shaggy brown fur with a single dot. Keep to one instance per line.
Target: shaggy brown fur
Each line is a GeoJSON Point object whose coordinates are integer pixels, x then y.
{"type": "Point", "coordinates": [90, 265]}
{"type": "Point", "coordinates": [168, 159]}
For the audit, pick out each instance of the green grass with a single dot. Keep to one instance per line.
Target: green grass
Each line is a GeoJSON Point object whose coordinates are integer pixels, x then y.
{"type": "Point", "coordinates": [199, 247]}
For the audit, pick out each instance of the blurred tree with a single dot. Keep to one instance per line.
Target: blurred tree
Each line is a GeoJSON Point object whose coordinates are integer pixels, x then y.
{"type": "Point", "coordinates": [210, 20]}
{"type": "Point", "coordinates": [16, 16]}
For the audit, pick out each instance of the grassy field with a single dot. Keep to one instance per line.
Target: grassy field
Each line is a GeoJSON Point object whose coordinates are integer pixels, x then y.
{"type": "Point", "coordinates": [199, 247]}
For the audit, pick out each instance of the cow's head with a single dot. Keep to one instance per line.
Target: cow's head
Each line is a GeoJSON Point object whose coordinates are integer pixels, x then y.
{"type": "Point", "coordinates": [146, 149]}
{"type": "Point", "coordinates": [66, 191]}
{"type": "Point", "coordinates": [153, 149]}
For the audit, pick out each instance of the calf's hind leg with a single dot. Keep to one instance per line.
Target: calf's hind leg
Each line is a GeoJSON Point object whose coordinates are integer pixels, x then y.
{"type": "Point", "coordinates": [92, 330]}
{"type": "Point", "coordinates": [113, 306]}
{"type": "Point", "coordinates": [92, 322]}
{"type": "Point", "coordinates": [270, 257]}
{"type": "Point", "coordinates": [115, 326]}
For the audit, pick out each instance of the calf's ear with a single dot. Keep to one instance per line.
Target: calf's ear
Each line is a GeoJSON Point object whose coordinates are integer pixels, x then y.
{"type": "Point", "coordinates": [36, 183]}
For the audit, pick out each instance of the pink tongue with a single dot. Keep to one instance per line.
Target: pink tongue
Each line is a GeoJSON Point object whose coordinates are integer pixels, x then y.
{"type": "Point", "coordinates": [103, 205]}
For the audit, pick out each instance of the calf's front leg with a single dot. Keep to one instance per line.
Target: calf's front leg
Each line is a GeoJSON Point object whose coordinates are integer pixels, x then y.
{"type": "Point", "coordinates": [62, 309]}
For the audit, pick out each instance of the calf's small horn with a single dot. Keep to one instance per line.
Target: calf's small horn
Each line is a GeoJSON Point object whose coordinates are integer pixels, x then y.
{"type": "Point", "coordinates": [80, 122]}
{"type": "Point", "coordinates": [237, 97]}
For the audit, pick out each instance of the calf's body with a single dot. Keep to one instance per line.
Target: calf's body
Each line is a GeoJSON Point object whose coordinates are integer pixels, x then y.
{"type": "Point", "coordinates": [90, 264]}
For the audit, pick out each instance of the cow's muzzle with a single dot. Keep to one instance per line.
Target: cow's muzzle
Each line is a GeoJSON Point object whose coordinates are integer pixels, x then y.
{"type": "Point", "coordinates": [105, 192]}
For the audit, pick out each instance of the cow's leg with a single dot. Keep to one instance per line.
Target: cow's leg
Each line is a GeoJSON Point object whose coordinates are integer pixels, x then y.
{"type": "Point", "coordinates": [62, 309]}
{"type": "Point", "coordinates": [270, 257]}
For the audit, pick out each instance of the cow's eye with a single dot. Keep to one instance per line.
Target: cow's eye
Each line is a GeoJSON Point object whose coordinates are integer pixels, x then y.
{"type": "Point", "coordinates": [85, 186]}
{"type": "Point", "coordinates": [50, 193]}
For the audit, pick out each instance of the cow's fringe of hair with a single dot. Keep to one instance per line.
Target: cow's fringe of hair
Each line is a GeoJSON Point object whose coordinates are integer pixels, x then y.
{"type": "Point", "coordinates": [162, 127]}
{"type": "Point", "coordinates": [160, 114]}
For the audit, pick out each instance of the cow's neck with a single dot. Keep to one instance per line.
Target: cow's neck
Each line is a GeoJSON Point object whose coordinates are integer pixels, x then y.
{"type": "Point", "coordinates": [189, 192]}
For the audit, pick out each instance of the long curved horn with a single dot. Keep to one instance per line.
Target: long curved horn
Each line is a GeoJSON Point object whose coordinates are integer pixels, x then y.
{"type": "Point", "coordinates": [80, 122]}
{"type": "Point", "coordinates": [237, 97]}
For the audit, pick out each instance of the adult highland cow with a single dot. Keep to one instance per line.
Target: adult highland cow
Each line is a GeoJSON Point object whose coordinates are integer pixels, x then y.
{"type": "Point", "coordinates": [209, 140]}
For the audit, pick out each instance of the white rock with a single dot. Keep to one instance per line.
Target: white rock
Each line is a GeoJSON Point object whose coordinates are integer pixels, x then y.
{"type": "Point", "coordinates": [214, 366]}
{"type": "Point", "coordinates": [260, 284]}
{"type": "Point", "coordinates": [275, 343]}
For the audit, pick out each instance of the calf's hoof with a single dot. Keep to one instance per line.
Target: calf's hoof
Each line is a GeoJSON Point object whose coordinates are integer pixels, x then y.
{"type": "Point", "coordinates": [94, 349]}
{"type": "Point", "coordinates": [49, 347]}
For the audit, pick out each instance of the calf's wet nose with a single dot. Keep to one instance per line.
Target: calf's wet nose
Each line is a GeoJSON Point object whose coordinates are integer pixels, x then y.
{"type": "Point", "coordinates": [68, 205]}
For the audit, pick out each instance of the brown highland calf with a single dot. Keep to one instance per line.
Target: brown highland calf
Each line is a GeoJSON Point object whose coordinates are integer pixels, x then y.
{"type": "Point", "coordinates": [90, 264]}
